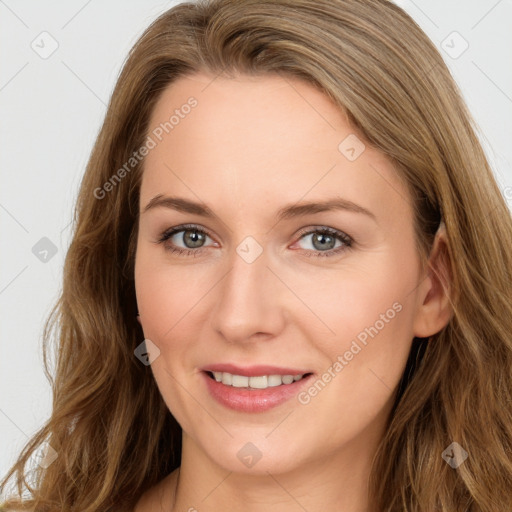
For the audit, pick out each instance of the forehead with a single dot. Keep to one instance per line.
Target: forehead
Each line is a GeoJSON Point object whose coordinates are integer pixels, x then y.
{"type": "Point", "coordinates": [248, 110]}
{"type": "Point", "coordinates": [262, 140]}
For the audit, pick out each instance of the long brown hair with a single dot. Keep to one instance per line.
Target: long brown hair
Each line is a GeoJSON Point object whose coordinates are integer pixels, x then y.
{"type": "Point", "coordinates": [114, 435]}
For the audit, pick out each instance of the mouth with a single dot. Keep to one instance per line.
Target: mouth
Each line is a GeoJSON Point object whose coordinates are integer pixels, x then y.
{"type": "Point", "coordinates": [255, 389]}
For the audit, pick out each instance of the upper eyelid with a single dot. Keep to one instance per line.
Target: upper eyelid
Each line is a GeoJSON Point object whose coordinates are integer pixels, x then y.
{"type": "Point", "coordinates": [178, 229]}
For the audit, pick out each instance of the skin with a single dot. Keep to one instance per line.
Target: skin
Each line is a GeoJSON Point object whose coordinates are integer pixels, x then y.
{"type": "Point", "coordinates": [251, 146]}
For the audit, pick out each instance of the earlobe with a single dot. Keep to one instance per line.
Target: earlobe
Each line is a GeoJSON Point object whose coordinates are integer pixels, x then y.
{"type": "Point", "coordinates": [138, 319]}
{"type": "Point", "coordinates": [434, 309]}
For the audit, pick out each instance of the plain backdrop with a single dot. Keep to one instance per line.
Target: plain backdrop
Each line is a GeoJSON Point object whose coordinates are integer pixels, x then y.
{"type": "Point", "coordinates": [59, 63]}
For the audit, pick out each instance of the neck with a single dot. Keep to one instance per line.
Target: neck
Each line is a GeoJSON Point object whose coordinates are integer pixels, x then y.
{"type": "Point", "coordinates": [338, 482]}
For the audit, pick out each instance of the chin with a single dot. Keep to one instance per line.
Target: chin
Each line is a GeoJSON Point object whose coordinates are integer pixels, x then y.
{"type": "Point", "coordinates": [255, 455]}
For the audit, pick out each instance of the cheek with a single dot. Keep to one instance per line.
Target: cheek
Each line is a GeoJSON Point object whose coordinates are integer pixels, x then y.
{"type": "Point", "coordinates": [363, 361]}
{"type": "Point", "coordinates": [165, 293]}
{"type": "Point", "coordinates": [360, 303]}
{"type": "Point", "coordinates": [165, 296]}
{"type": "Point", "coordinates": [371, 313]}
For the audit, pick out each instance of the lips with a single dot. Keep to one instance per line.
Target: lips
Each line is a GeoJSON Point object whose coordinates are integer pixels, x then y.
{"type": "Point", "coordinates": [230, 385]}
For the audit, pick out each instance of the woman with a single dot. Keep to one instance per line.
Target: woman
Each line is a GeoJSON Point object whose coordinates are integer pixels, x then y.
{"type": "Point", "coordinates": [288, 203]}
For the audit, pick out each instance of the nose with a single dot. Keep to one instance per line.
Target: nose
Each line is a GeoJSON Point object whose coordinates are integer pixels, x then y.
{"type": "Point", "coordinates": [250, 302]}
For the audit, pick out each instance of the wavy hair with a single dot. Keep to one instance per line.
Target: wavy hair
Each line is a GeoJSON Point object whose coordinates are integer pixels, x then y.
{"type": "Point", "coordinates": [114, 436]}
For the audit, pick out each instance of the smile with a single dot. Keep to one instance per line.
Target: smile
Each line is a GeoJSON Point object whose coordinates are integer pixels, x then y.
{"type": "Point", "coordinates": [253, 393]}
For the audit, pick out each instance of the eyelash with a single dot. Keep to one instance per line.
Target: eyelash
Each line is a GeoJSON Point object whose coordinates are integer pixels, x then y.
{"type": "Point", "coordinates": [343, 237]}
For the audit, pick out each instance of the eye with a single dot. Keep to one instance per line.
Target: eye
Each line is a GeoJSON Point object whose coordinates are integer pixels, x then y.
{"type": "Point", "coordinates": [192, 237]}
{"type": "Point", "coordinates": [323, 241]}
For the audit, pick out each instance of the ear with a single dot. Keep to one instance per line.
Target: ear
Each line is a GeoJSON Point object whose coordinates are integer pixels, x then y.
{"type": "Point", "coordinates": [434, 309]}
{"type": "Point", "coordinates": [138, 319]}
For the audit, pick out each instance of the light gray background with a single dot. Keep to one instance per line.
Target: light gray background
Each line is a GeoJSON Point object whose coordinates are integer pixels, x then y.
{"type": "Point", "coordinates": [51, 110]}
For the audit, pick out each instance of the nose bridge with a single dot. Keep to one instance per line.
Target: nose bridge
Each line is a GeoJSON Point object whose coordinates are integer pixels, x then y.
{"type": "Point", "coordinates": [248, 298]}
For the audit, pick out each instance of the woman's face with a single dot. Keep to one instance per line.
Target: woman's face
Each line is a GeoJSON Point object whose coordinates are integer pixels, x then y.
{"type": "Point", "coordinates": [250, 172]}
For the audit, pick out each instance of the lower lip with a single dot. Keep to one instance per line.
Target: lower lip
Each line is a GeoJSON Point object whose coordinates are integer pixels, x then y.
{"type": "Point", "coordinates": [253, 400]}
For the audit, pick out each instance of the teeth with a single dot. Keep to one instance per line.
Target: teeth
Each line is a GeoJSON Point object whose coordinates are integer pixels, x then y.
{"type": "Point", "coordinates": [239, 381]}
{"type": "Point", "coordinates": [274, 380]}
{"type": "Point", "coordinates": [259, 382]}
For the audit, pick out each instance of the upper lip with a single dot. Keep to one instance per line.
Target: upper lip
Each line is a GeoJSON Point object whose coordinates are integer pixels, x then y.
{"type": "Point", "coordinates": [253, 371]}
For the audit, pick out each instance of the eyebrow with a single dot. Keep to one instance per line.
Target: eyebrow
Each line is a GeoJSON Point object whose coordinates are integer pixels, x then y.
{"type": "Point", "coordinates": [287, 212]}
